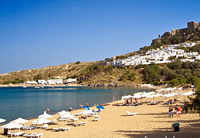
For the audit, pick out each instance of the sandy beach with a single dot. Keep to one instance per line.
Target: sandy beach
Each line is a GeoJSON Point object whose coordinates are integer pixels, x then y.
{"type": "Point", "coordinates": [152, 121]}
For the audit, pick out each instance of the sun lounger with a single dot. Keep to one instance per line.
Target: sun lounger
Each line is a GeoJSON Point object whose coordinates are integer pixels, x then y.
{"type": "Point", "coordinates": [34, 135]}
{"type": "Point", "coordinates": [45, 126]}
{"type": "Point", "coordinates": [130, 114]}
{"type": "Point", "coordinates": [16, 134]}
{"type": "Point", "coordinates": [73, 119]}
{"type": "Point", "coordinates": [64, 128]}
{"type": "Point", "coordinates": [39, 135]}
{"type": "Point", "coordinates": [77, 114]}
{"type": "Point", "coordinates": [54, 121]}
{"type": "Point", "coordinates": [55, 129]}
{"type": "Point", "coordinates": [80, 124]}
{"type": "Point", "coordinates": [62, 119]}
{"type": "Point", "coordinates": [96, 118]}
{"type": "Point", "coordinates": [11, 134]}
{"type": "Point", "coordinates": [28, 127]}
{"type": "Point", "coordinates": [61, 129]}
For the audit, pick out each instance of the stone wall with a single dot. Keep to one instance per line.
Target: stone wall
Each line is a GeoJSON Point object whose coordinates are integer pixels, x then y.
{"type": "Point", "coordinates": [192, 25]}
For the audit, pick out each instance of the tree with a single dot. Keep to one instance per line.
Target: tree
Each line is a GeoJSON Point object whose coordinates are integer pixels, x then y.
{"type": "Point", "coordinates": [178, 81]}
{"type": "Point", "coordinates": [176, 39]}
{"type": "Point", "coordinates": [196, 100]}
{"type": "Point", "coordinates": [152, 73]}
{"type": "Point", "coordinates": [37, 77]}
{"type": "Point", "coordinates": [175, 65]}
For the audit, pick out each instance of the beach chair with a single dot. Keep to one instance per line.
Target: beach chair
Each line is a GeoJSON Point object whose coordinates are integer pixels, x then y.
{"type": "Point", "coordinates": [32, 135]}
{"type": "Point", "coordinates": [54, 121]}
{"type": "Point", "coordinates": [73, 119]}
{"type": "Point", "coordinates": [83, 123]}
{"type": "Point", "coordinates": [56, 129]}
{"type": "Point", "coordinates": [96, 118]}
{"type": "Point", "coordinates": [26, 135]}
{"type": "Point", "coordinates": [80, 124]}
{"type": "Point", "coordinates": [62, 119]}
{"type": "Point", "coordinates": [39, 135]}
{"type": "Point", "coordinates": [45, 126]}
{"type": "Point", "coordinates": [130, 114]}
{"type": "Point", "coordinates": [65, 128]}
{"type": "Point", "coordinates": [75, 124]}
{"type": "Point", "coordinates": [16, 134]}
{"type": "Point", "coordinates": [10, 134]}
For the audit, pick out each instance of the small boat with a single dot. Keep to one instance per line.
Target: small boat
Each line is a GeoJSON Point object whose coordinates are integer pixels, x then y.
{"type": "Point", "coordinates": [24, 86]}
{"type": "Point", "coordinates": [37, 87]}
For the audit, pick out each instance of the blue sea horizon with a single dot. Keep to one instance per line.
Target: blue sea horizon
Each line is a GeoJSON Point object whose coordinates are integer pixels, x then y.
{"type": "Point", "coordinates": [30, 102]}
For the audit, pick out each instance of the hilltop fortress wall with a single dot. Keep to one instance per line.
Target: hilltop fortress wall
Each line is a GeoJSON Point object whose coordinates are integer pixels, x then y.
{"type": "Point", "coordinates": [191, 26]}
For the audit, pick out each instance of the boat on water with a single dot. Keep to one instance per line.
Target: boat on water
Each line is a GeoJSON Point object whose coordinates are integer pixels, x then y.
{"type": "Point", "coordinates": [37, 87]}
{"type": "Point", "coordinates": [24, 86]}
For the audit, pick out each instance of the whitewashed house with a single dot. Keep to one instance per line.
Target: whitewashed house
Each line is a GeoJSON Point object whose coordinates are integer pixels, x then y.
{"type": "Point", "coordinates": [197, 57]}
{"type": "Point", "coordinates": [159, 56]}
{"type": "Point", "coordinates": [187, 44]}
{"type": "Point", "coordinates": [55, 81]}
{"type": "Point", "coordinates": [71, 81]}
{"type": "Point", "coordinates": [43, 82]}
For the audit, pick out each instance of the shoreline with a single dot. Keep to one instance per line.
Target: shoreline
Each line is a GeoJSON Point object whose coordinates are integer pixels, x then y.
{"type": "Point", "coordinates": [139, 86]}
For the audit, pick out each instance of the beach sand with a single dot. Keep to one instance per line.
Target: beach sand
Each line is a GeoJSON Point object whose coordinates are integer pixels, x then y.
{"type": "Point", "coordinates": [151, 121]}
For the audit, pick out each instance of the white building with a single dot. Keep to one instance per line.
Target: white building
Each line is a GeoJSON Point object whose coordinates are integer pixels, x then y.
{"type": "Point", "coordinates": [198, 57]}
{"type": "Point", "coordinates": [43, 82]}
{"type": "Point", "coordinates": [159, 56]}
{"type": "Point", "coordinates": [55, 81]}
{"type": "Point", "coordinates": [70, 80]}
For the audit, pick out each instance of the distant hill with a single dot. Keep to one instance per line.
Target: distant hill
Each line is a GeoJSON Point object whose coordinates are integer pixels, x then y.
{"type": "Point", "coordinates": [102, 73]}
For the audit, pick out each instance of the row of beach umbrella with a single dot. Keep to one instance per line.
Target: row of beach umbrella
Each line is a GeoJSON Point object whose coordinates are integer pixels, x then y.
{"type": "Point", "coordinates": [152, 94]}
{"type": "Point", "coordinates": [42, 119]}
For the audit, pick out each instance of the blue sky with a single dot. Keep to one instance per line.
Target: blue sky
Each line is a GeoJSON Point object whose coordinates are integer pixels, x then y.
{"type": "Point", "coordinates": [39, 33]}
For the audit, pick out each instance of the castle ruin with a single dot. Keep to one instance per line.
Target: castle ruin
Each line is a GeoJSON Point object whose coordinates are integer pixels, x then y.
{"type": "Point", "coordinates": [191, 26]}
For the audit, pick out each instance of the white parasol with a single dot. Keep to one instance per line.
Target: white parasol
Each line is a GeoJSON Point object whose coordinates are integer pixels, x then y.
{"type": "Point", "coordinates": [45, 115]}
{"type": "Point", "coordinates": [63, 112]}
{"type": "Point", "coordinates": [41, 121]}
{"type": "Point", "coordinates": [19, 121]}
{"type": "Point", "coordinates": [12, 126]}
{"type": "Point", "coordinates": [2, 120]}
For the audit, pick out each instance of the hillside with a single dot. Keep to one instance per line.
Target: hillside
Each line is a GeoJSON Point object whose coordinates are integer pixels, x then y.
{"type": "Point", "coordinates": [102, 73]}
{"type": "Point", "coordinates": [87, 73]}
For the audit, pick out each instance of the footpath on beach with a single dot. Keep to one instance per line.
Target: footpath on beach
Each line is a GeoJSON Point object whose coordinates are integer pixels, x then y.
{"type": "Point", "coordinates": [151, 121]}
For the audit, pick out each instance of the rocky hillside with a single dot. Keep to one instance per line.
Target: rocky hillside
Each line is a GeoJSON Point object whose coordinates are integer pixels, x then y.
{"type": "Point", "coordinates": [87, 73]}
{"type": "Point", "coordinates": [51, 72]}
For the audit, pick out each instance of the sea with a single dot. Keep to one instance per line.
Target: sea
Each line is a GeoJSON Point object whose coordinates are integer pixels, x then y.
{"type": "Point", "coordinates": [31, 102]}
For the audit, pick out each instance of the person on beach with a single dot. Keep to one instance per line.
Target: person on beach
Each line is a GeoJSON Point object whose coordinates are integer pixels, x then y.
{"type": "Point", "coordinates": [171, 111]}
{"type": "Point", "coordinates": [178, 111]}
{"type": "Point", "coordinates": [47, 110]}
{"type": "Point", "coordinates": [87, 104]}
{"type": "Point", "coordinates": [70, 109]}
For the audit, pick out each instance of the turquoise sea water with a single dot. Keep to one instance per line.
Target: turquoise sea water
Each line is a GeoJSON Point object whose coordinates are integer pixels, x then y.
{"type": "Point", "coordinates": [31, 102]}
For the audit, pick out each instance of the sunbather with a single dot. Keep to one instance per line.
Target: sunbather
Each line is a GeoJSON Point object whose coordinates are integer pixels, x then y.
{"type": "Point", "coordinates": [171, 111]}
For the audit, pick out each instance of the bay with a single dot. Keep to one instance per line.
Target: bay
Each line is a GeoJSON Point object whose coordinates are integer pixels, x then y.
{"type": "Point", "coordinates": [30, 102]}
